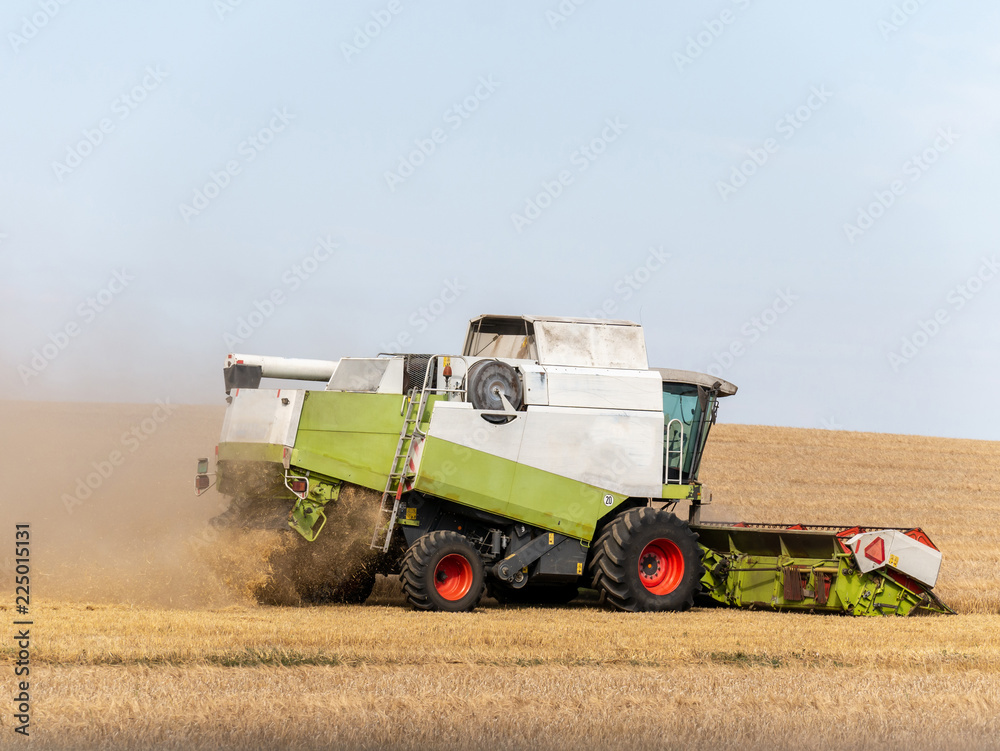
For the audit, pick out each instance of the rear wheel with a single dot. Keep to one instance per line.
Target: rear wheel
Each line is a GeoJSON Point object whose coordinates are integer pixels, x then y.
{"type": "Point", "coordinates": [647, 559]}
{"type": "Point", "coordinates": [442, 571]}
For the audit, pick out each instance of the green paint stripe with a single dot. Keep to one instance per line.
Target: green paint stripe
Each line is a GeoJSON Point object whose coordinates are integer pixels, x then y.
{"type": "Point", "coordinates": [351, 437]}
{"type": "Point", "coordinates": [681, 492]}
{"type": "Point", "coordinates": [363, 459]}
{"type": "Point", "coordinates": [504, 487]}
{"type": "Point", "coordinates": [343, 412]}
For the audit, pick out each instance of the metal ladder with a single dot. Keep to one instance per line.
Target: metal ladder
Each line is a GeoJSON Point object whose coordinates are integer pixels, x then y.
{"type": "Point", "coordinates": [395, 483]}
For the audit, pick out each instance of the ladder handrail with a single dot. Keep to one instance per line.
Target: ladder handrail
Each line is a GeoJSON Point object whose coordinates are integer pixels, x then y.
{"type": "Point", "coordinates": [378, 542]}
{"type": "Point", "coordinates": [678, 451]}
{"type": "Point", "coordinates": [424, 390]}
{"type": "Point", "coordinates": [396, 481]}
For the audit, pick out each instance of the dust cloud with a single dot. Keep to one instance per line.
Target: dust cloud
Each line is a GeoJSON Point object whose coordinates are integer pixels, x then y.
{"type": "Point", "coordinates": [108, 491]}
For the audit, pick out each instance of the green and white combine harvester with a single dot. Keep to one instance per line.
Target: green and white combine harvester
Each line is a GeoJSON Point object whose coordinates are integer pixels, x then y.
{"type": "Point", "coordinates": [547, 457]}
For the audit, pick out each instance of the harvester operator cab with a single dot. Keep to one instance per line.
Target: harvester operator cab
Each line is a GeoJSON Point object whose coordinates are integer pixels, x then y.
{"type": "Point", "coordinates": [690, 403]}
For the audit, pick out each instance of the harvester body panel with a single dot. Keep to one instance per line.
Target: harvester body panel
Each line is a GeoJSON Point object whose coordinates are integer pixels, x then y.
{"type": "Point", "coordinates": [263, 416]}
{"type": "Point", "coordinates": [349, 436]}
{"type": "Point", "coordinates": [467, 460]}
{"type": "Point", "coordinates": [547, 448]}
{"type": "Point", "coordinates": [561, 468]}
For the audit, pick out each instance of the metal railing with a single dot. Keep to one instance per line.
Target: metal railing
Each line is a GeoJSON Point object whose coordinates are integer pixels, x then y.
{"type": "Point", "coordinates": [680, 454]}
{"type": "Point", "coordinates": [395, 484]}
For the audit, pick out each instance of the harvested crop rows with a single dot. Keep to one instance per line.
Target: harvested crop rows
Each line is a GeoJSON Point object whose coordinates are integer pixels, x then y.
{"type": "Point", "coordinates": [127, 671]}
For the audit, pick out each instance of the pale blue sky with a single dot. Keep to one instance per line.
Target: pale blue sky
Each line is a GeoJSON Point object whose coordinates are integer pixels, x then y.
{"type": "Point", "coordinates": [869, 87]}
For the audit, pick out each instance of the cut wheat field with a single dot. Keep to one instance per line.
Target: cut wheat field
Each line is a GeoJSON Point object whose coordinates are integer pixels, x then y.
{"type": "Point", "coordinates": [139, 651]}
{"type": "Point", "coordinates": [381, 676]}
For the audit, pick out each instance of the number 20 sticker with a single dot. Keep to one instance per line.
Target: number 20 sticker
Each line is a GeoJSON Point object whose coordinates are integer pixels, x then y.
{"type": "Point", "coordinates": [609, 500]}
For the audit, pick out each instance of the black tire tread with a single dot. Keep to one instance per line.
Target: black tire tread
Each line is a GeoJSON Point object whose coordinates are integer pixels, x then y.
{"type": "Point", "coordinates": [413, 570]}
{"type": "Point", "coordinates": [611, 549]}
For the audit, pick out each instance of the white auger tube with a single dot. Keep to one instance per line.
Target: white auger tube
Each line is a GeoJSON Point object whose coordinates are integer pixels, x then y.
{"type": "Point", "coordinates": [286, 367]}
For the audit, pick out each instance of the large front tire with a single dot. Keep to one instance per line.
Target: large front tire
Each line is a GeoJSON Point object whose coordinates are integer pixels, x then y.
{"type": "Point", "coordinates": [443, 571]}
{"type": "Point", "coordinates": [647, 560]}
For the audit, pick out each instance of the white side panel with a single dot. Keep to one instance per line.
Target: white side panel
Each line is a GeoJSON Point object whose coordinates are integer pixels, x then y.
{"type": "Point", "coordinates": [392, 380]}
{"type": "Point", "coordinates": [536, 386]}
{"type": "Point", "coordinates": [459, 423]}
{"type": "Point", "coordinates": [621, 451]}
{"type": "Point", "coordinates": [261, 416]}
{"type": "Point", "coordinates": [605, 389]}
{"type": "Point", "coordinates": [360, 374]}
{"type": "Point", "coordinates": [590, 344]}
{"type": "Point", "coordinates": [898, 551]}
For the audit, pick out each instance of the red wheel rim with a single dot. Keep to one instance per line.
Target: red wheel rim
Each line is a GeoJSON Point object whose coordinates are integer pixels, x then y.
{"type": "Point", "coordinates": [661, 566]}
{"type": "Point", "coordinates": [453, 577]}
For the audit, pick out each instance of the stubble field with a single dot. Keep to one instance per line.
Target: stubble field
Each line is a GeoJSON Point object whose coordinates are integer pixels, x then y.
{"type": "Point", "coordinates": [137, 644]}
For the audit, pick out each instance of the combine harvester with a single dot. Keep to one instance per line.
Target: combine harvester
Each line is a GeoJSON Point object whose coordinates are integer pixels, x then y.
{"type": "Point", "coordinates": [546, 457]}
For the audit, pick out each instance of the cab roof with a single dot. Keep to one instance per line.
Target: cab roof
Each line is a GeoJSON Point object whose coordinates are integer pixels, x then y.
{"type": "Point", "coordinates": [555, 340]}
{"type": "Point", "coordinates": [552, 319]}
{"type": "Point", "coordinates": [669, 375]}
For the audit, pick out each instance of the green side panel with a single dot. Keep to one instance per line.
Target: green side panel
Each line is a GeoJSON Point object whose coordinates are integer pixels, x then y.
{"type": "Point", "coordinates": [359, 458]}
{"type": "Point", "coordinates": [677, 492]}
{"type": "Point", "coordinates": [461, 474]}
{"type": "Point", "coordinates": [754, 586]}
{"type": "Point", "coordinates": [519, 492]}
{"type": "Point", "coordinates": [744, 568]}
{"type": "Point", "coordinates": [558, 503]}
{"type": "Point", "coordinates": [343, 412]}
{"type": "Point", "coordinates": [351, 436]}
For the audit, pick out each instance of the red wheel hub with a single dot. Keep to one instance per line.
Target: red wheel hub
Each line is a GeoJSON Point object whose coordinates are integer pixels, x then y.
{"type": "Point", "coordinates": [661, 566]}
{"type": "Point", "coordinates": [453, 577]}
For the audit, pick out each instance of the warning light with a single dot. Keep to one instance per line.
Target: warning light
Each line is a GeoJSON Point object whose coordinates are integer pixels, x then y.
{"type": "Point", "coordinates": [299, 485]}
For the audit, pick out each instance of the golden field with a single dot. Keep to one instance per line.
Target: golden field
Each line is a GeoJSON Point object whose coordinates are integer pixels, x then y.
{"type": "Point", "coordinates": [949, 487]}
{"type": "Point", "coordinates": [137, 645]}
{"type": "Point", "coordinates": [381, 676]}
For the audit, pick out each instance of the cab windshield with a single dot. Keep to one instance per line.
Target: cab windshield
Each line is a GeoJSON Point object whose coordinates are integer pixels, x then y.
{"type": "Point", "coordinates": [688, 413]}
